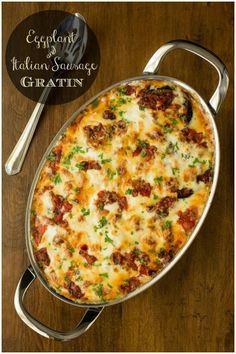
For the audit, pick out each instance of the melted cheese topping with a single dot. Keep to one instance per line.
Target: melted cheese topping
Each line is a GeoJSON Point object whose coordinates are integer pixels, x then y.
{"type": "Point", "coordinates": [122, 191]}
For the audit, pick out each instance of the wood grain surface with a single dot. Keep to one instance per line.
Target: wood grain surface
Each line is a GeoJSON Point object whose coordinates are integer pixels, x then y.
{"type": "Point", "coordinates": [191, 308]}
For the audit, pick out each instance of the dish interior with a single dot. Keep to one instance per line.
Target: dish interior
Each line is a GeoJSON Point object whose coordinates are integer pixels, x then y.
{"type": "Point", "coordinates": [122, 190]}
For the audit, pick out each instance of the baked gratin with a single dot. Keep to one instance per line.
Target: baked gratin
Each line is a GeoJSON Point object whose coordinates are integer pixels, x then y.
{"type": "Point", "coordinates": [122, 190]}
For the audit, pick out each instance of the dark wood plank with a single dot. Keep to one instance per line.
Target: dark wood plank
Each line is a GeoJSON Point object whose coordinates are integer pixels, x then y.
{"type": "Point", "coordinates": [191, 308]}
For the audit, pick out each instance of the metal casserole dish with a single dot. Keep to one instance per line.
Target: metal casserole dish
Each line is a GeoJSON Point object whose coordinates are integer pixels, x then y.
{"type": "Point", "coordinates": [33, 271]}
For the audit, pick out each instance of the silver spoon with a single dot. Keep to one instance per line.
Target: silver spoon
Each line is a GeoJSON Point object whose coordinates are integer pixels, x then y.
{"type": "Point", "coordinates": [70, 53]}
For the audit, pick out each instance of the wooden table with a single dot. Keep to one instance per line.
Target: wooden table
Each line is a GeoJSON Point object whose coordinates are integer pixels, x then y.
{"type": "Point", "coordinates": [191, 308]}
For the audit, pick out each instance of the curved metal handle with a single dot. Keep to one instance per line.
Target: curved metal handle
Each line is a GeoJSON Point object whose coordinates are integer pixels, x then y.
{"type": "Point", "coordinates": [222, 87]}
{"type": "Point", "coordinates": [17, 157]}
{"type": "Point", "coordinates": [86, 322]}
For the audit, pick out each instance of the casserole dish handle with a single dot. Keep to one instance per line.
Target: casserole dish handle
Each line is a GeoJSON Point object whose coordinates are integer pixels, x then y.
{"type": "Point", "coordinates": [87, 320]}
{"type": "Point", "coordinates": [222, 87]}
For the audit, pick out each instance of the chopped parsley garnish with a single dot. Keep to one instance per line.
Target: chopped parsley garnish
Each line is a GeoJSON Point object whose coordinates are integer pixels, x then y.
{"type": "Point", "coordinates": [95, 103]}
{"type": "Point", "coordinates": [110, 286]}
{"type": "Point", "coordinates": [174, 121]}
{"type": "Point", "coordinates": [163, 155]}
{"type": "Point", "coordinates": [72, 264]}
{"type": "Point", "coordinates": [85, 211]}
{"type": "Point", "coordinates": [116, 104]}
{"type": "Point", "coordinates": [66, 278]}
{"type": "Point", "coordinates": [158, 180]}
{"type": "Point", "coordinates": [142, 143]}
{"type": "Point", "coordinates": [104, 275]}
{"type": "Point", "coordinates": [118, 172]}
{"type": "Point", "coordinates": [210, 163]}
{"type": "Point", "coordinates": [129, 191]}
{"type": "Point", "coordinates": [75, 150]}
{"type": "Point", "coordinates": [108, 239]}
{"type": "Point", "coordinates": [101, 223]}
{"type": "Point", "coordinates": [167, 130]}
{"type": "Point", "coordinates": [142, 261]}
{"type": "Point", "coordinates": [79, 278]}
{"type": "Point", "coordinates": [141, 108]}
{"type": "Point", "coordinates": [196, 161]}
{"type": "Point", "coordinates": [175, 147]}
{"type": "Point", "coordinates": [98, 289]}
{"type": "Point", "coordinates": [51, 156]}
{"type": "Point", "coordinates": [110, 173]}
{"type": "Point", "coordinates": [199, 161]}
{"type": "Point", "coordinates": [185, 156]}
{"type": "Point", "coordinates": [67, 161]}
{"type": "Point", "coordinates": [121, 91]}
{"type": "Point", "coordinates": [167, 225]}
{"type": "Point", "coordinates": [80, 166]}
{"type": "Point", "coordinates": [122, 101]}
{"type": "Point", "coordinates": [126, 120]}
{"type": "Point", "coordinates": [121, 114]}
{"type": "Point", "coordinates": [175, 171]}
{"type": "Point", "coordinates": [155, 197]}
{"type": "Point", "coordinates": [103, 161]}
{"type": "Point", "coordinates": [143, 153]}
{"type": "Point", "coordinates": [184, 118]}
{"type": "Point", "coordinates": [56, 179]}
{"type": "Point", "coordinates": [79, 149]}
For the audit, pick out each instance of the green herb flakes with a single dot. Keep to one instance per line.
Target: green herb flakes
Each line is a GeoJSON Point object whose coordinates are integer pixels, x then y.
{"type": "Point", "coordinates": [175, 171]}
{"type": "Point", "coordinates": [56, 179]}
{"type": "Point", "coordinates": [129, 191]}
{"type": "Point", "coordinates": [197, 161]}
{"type": "Point", "coordinates": [95, 103]}
{"type": "Point", "coordinates": [141, 108]}
{"type": "Point", "coordinates": [98, 289]}
{"type": "Point", "coordinates": [167, 130]}
{"type": "Point", "coordinates": [175, 147]}
{"type": "Point", "coordinates": [108, 239]}
{"type": "Point", "coordinates": [105, 275]}
{"type": "Point", "coordinates": [85, 211]}
{"type": "Point", "coordinates": [158, 180]}
{"type": "Point", "coordinates": [174, 121]}
{"type": "Point", "coordinates": [167, 224]}
{"type": "Point", "coordinates": [103, 160]}
{"type": "Point", "coordinates": [143, 153]}
{"type": "Point", "coordinates": [80, 166]}
{"type": "Point", "coordinates": [110, 173]}
{"type": "Point", "coordinates": [101, 223]}
{"type": "Point", "coordinates": [185, 156]}
{"type": "Point", "coordinates": [142, 143]}
{"type": "Point", "coordinates": [51, 156]}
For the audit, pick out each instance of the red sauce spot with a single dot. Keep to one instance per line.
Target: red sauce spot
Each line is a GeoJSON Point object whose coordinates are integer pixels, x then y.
{"type": "Point", "coordinates": [187, 219]}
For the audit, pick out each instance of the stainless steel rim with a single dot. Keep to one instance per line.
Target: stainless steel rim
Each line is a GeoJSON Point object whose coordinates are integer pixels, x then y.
{"type": "Point", "coordinates": [207, 109]}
